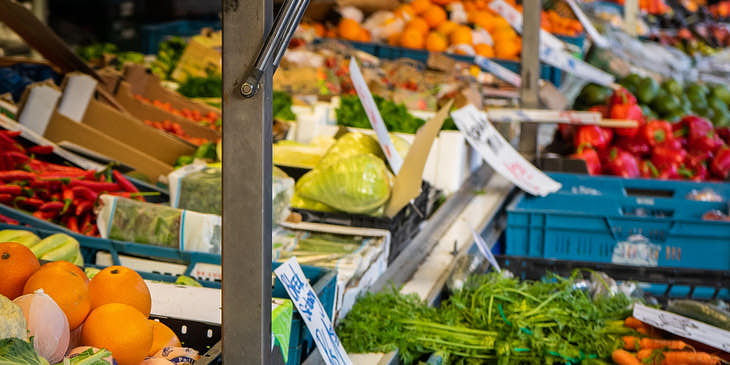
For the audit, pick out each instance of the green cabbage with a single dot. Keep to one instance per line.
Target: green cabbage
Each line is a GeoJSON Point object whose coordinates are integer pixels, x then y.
{"type": "Point", "coordinates": [12, 321]}
{"type": "Point", "coordinates": [354, 184]}
{"type": "Point", "coordinates": [351, 144]}
{"type": "Point", "coordinates": [14, 351]}
{"type": "Point", "coordinates": [401, 145]}
{"type": "Point", "coordinates": [298, 201]}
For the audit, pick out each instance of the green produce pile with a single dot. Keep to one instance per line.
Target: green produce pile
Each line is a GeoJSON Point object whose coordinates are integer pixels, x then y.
{"type": "Point", "coordinates": [669, 100]}
{"type": "Point", "coordinates": [397, 119]}
{"type": "Point", "coordinates": [97, 52]}
{"type": "Point", "coordinates": [282, 106]}
{"type": "Point", "coordinates": [168, 56]}
{"type": "Point", "coordinates": [210, 86]}
{"type": "Point", "coordinates": [492, 319]}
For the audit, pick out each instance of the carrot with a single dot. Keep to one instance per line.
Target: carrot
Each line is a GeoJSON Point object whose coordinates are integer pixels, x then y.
{"type": "Point", "coordinates": [623, 357]}
{"type": "Point", "coordinates": [650, 343]}
{"type": "Point", "coordinates": [631, 343]}
{"type": "Point", "coordinates": [634, 323]}
{"type": "Point", "coordinates": [690, 358]}
{"type": "Point", "coordinates": [650, 356]}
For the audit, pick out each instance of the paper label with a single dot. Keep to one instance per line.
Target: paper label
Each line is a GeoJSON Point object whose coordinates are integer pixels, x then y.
{"type": "Point", "coordinates": [312, 311]}
{"type": "Point", "coordinates": [684, 327]}
{"type": "Point", "coordinates": [498, 70]}
{"type": "Point", "coordinates": [39, 107]}
{"type": "Point", "coordinates": [484, 249]}
{"type": "Point", "coordinates": [76, 96]}
{"type": "Point", "coordinates": [376, 120]}
{"type": "Point", "coordinates": [566, 62]}
{"type": "Point", "coordinates": [637, 250]}
{"type": "Point", "coordinates": [543, 116]}
{"type": "Point", "coordinates": [597, 38]}
{"type": "Point", "coordinates": [499, 154]}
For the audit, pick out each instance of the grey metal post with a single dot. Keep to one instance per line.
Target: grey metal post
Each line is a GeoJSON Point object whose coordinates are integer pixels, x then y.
{"type": "Point", "coordinates": [246, 188]}
{"type": "Point", "coordinates": [530, 70]}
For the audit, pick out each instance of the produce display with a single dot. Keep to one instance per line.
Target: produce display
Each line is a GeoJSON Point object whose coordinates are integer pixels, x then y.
{"type": "Point", "coordinates": [176, 129]}
{"type": "Point", "coordinates": [211, 119]}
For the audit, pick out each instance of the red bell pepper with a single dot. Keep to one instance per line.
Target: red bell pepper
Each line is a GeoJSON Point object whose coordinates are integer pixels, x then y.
{"type": "Point", "coordinates": [724, 133]}
{"type": "Point", "coordinates": [567, 131]}
{"type": "Point", "coordinates": [622, 96]}
{"type": "Point", "coordinates": [590, 156]}
{"type": "Point", "coordinates": [593, 136]}
{"type": "Point", "coordinates": [720, 165]}
{"type": "Point", "coordinates": [692, 126]}
{"type": "Point", "coordinates": [647, 169]}
{"type": "Point", "coordinates": [665, 155]}
{"type": "Point", "coordinates": [635, 145]}
{"type": "Point", "coordinates": [605, 110]}
{"type": "Point", "coordinates": [699, 172]}
{"type": "Point", "coordinates": [627, 112]}
{"type": "Point", "coordinates": [708, 142]}
{"type": "Point", "coordinates": [656, 132]}
{"type": "Point", "coordinates": [621, 163]}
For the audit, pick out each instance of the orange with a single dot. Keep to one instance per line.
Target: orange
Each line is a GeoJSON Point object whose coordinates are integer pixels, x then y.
{"type": "Point", "coordinates": [418, 24]}
{"type": "Point", "coordinates": [119, 284]}
{"type": "Point", "coordinates": [394, 39]}
{"type": "Point", "coordinates": [484, 50]}
{"type": "Point", "coordinates": [420, 6]}
{"type": "Point", "coordinates": [68, 289]}
{"type": "Point", "coordinates": [507, 48]}
{"type": "Point", "coordinates": [434, 16]}
{"type": "Point", "coordinates": [121, 329]}
{"type": "Point", "coordinates": [17, 264]}
{"type": "Point", "coordinates": [318, 29]}
{"type": "Point", "coordinates": [446, 27]}
{"type": "Point", "coordinates": [364, 35]}
{"type": "Point", "coordinates": [349, 29]}
{"type": "Point", "coordinates": [461, 35]}
{"type": "Point", "coordinates": [405, 12]}
{"type": "Point", "coordinates": [162, 336]}
{"type": "Point", "coordinates": [411, 38]}
{"type": "Point", "coordinates": [436, 42]}
{"type": "Point", "coordinates": [66, 266]}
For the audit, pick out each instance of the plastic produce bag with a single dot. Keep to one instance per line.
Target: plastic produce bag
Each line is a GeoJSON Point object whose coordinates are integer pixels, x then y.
{"type": "Point", "coordinates": [154, 224]}
{"type": "Point", "coordinates": [282, 190]}
{"type": "Point", "coordinates": [201, 191]}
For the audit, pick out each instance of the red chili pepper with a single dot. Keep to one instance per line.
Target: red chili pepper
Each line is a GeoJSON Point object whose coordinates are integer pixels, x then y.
{"type": "Point", "coordinates": [621, 163]}
{"type": "Point", "coordinates": [590, 156]}
{"type": "Point", "coordinates": [40, 184]}
{"type": "Point", "coordinates": [13, 175]}
{"type": "Point", "coordinates": [38, 214]}
{"type": "Point", "coordinates": [10, 189]}
{"type": "Point", "coordinates": [8, 220]}
{"type": "Point", "coordinates": [6, 198]}
{"type": "Point", "coordinates": [622, 96]}
{"type": "Point", "coordinates": [11, 134]}
{"type": "Point", "coordinates": [667, 154]}
{"type": "Point", "coordinates": [16, 158]}
{"type": "Point", "coordinates": [635, 145]}
{"type": "Point", "coordinates": [83, 207]}
{"type": "Point", "coordinates": [82, 192]}
{"type": "Point", "coordinates": [31, 203]}
{"type": "Point", "coordinates": [73, 224]}
{"type": "Point", "coordinates": [125, 184]}
{"type": "Point", "coordinates": [720, 165]}
{"type": "Point", "coordinates": [95, 185]}
{"type": "Point", "coordinates": [627, 112]}
{"type": "Point", "coordinates": [656, 132]}
{"type": "Point", "coordinates": [51, 207]}
{"type": "Point", "coordinates": [647, 169]}
{"type": "Point", "coordinates": [41, 150]}
{"type": "Point", "coordinates": [591, 135]}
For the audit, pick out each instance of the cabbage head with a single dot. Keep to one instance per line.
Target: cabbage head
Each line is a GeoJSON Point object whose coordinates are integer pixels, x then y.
{"type": "Point", "coordinates": [401, 145]}
{"type": "Point", "coordinates": [351, 144]}
{"type": "Point", "coordinates": [297, 201]}
{"type": "Point", "coordinates": [12, 321]}
{"type": "Point", "coordinates": [354, 184]}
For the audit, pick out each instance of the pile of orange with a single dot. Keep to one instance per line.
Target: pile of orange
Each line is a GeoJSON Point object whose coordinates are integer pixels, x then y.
{"type": "Point", "coordinates": [111, 310]}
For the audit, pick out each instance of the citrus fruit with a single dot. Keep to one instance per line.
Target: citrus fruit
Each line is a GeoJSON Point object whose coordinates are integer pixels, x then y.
{"type": "Point", "coordinates": [446, 27]}
{"type": "Point", "coordinates": [411, 38]}
{"type": "Point", "coordinates": [418, 24]}
{"type": "Point", "coordinates": [121, 329]}
{"type": "Point", "coordinates": [436, 42]}
{"type": "Point", "coordinates": [349, 29]}
{"type": "Point", "coordinates": [17, 264]}
{"type": "Point", "coordinates": [484, 50]}
{"type": "Point", "coordinates": [318, 29]}
{"type": "Point", "coordinates": [68, 289]}
{"type": "Point", "coordinates": [420, 6]}
{"type": "Point", "coordinates": [364, 35]}
{"type": "Point", "coordinates": [461, 35]}
{"type": "Point", "coordinates": [404, 12]}
{"type": "Point", "coordinates": [66, 266]}
{"type": "Point", "coordinates": [119, 284]}
{"type": "Point", "coordinates": [434, 16]}
{"type": "Point", "coordinates": [162, 336]}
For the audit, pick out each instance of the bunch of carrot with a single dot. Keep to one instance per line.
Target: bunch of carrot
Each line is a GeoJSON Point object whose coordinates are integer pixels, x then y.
{"type": "Point", "coordinates": [210, 119]}
{"type": "Point", "coordinates": [176, 129]}
{"type": "Point", "coordinates": [63, 194]}
{"type": "Point", "coordinates": [653, 351]}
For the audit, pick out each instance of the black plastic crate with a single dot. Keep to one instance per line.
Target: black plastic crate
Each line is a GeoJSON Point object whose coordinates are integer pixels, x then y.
{"type": "Point", "coordinates": [673, 282]}
{"type": "Point", "coordinates": [403, 226]}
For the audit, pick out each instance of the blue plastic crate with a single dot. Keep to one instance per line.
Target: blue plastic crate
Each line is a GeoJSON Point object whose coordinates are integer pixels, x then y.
{"type": "Point", "coordinates": [632, 221]}
{"type": "Point", "coordinates": [153, 34]}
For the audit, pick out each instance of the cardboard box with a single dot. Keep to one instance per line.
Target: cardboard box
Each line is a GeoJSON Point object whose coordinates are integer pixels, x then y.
{"type": "Point", "coordinates": [146, 111]}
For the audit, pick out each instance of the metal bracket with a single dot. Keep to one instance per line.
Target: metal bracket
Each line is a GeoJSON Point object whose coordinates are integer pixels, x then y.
{"type": "Point", "coordinates": [275, 44]}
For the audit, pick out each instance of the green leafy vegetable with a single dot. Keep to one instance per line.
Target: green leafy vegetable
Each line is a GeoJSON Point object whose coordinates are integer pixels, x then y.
{"type": "Point", "coordinates": [282, 106]}
{"type": "Point", "coordinates": [168, 56]}
{"type": "Point", "coordinates": [202, 87]}
{"type": "Point", "coordinates": [14, 351]}
{"type": "Point", "coordinates": [88, 357]}
{"type": "Point", "coordinates": [350, 113]}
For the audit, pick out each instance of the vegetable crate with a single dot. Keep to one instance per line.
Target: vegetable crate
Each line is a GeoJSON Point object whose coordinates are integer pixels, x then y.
{"type": "Point", "coordinates": [637, 222]}
{"type": "Point", "coordinates": [200, 336]}
{"type": "Point", "coordinates": [153, 34]}
{"type": "Point", "coordinates": [403, 226]}
{"type": "Point", "coordinates": [666, 283]}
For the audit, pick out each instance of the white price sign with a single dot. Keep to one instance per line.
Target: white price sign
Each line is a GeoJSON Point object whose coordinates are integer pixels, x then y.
{"type": "Point", "coordinates": [376, 120]}
{"type": "Point", "coordinates": [498, 70]}
{"type": "Point", "coordinates": [684, 327]}
{"type": "Point", "coordinates": [499, 154]}
{"type": "Point", "coordinates": [568, 63]}
{"type": "Point", "coordinates": [313, 313]}
{"type": "Point", "coordinates": [543, 116]}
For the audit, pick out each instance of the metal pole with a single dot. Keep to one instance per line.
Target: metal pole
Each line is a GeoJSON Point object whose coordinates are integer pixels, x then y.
{"type": "Point", "coordinates": [246, 188]}
{"type": "Point", "coordinates": [530, 70]}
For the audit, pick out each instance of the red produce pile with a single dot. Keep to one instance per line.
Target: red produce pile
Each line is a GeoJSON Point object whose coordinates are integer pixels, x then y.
{"type": "Point", "coordinates": [689, 149]}
{"type": "Point", "coordinates": [61, 194]}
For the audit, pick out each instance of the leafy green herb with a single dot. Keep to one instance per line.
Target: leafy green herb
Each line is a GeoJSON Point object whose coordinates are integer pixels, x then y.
{"type": "Point", "coordinates": [202, 87]}
{"type": "Point", "coordinates": [350, 113]}
{"type": "Point", "coordinates": [168, 56]}
{"type": "Point", "coordinates": [282, 106]}
{"type": "Point", "coordinates": [88, 357]}
{"type": "Point", "coordinates": [14, 351]}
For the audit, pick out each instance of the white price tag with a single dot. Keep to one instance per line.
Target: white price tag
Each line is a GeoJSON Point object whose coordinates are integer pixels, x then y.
{"type": "Point", "coordinates": [543, 116]}
{"type": "Point", "coordinates": [597, 38]}
{"type": "Point", "coordinates": [568, 63]}
{"type": "Point", "coordinates": [498, 70]}
{"type": "Point", "coordinates": [514, 18]}
{"type": "Point", "coordinates": [499, 154]}
{"type": "Point", "coordinates": [482, 246]}
{"type": "Point", "coordinates": [376, 120]}
{"type": "Point", "coordinates": [313, 313]}
{"type": "Point", "coordinates": [684, 327]}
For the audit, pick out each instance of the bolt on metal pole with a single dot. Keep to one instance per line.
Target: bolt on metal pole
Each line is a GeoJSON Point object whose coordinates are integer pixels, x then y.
{"type": "Point", "coordinates": [246, 188]}
{"type": "Point", "coordinates": [530, 70]}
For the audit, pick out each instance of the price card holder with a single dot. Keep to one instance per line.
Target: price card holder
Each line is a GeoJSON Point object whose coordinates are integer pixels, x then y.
{"type": "Point", "coordinates": [597, 38]}
{"type": "Point", "coordinates": [543, 116]}
{"type": "Point", "coordinates": [683, 326]}
{"type": "Point", "coordinates": [501, 72]}
{"type": "Point", "coordinates": [313, 313]}
{"type": "Point", "coordinates": [499, 154]}
{"type": "Point", "coordinates": [568, 63]}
